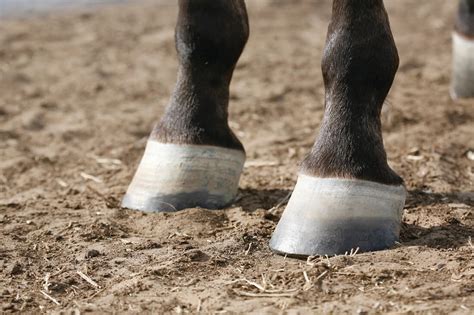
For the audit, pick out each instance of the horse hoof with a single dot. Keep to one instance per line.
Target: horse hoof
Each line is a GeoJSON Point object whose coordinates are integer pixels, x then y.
{"type": "Point", "coordinates": [463, 67]}
{"type": "Point", "coordinates": [173, 177]}
{"type": "Point", "coordinates": [330, 216]}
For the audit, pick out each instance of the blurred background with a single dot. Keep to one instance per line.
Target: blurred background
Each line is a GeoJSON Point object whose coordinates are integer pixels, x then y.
{"type": "Point", "coordinates": [21, 7]}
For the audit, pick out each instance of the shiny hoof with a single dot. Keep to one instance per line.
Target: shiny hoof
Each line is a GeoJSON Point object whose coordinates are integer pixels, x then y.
{"type": "Point", "coordinates": [331, 216]}
{"type": "Point", "coordinates": [173, 177]}
{"type": "Point", "coordinates": [463, 67]}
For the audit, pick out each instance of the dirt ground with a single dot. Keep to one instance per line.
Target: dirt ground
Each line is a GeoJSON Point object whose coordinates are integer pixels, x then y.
{"type": "Point", "coordinates": [79, 93]}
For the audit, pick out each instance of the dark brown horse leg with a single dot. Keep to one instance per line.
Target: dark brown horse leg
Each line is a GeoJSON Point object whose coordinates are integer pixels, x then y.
{"type": "Point", "coordinates": [347, 196]}
{"type": "Point", "coordinates": [463, 51]}
{"type": "Point", "coordinates": [192, 156]}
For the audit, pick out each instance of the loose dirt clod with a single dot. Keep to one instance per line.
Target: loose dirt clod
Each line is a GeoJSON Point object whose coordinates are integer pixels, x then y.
{"type": "Point", "coordinates": [92, 253]}
{"type": "Point", "coordinates": [16, 269]}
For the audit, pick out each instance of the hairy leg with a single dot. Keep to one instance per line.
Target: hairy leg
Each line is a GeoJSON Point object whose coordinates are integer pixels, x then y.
{"type": "Point", "coordinates": [210, 36]}
{"type": "Point", "coordinates": [193, 158]}
{"type": "Point", "coordinates": [347, 196]}
{"type": "Point", "coordinates": [463, 51]}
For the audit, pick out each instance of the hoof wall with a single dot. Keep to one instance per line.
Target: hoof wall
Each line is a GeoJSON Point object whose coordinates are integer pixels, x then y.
{"type": "Point", "coordinates": [327, 216]}
{"type": "Point", "coordinates": [463, 67]}
{"type": "Point", "coordinates": [171, 203]}
{"type": "Point", "coordinates": [173, 177]}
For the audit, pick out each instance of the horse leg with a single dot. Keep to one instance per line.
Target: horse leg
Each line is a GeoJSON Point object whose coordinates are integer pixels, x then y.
{"type": "Point", "coordinates": [192, 157]}
{"type": "Point", "coordinates": [463, 51]}
{"type": "Point", "coordinates": [346, 196]}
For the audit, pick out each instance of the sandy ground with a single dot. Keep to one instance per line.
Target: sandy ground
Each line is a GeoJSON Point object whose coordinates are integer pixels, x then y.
{"type": "Point", "coordinates": [79, 94]}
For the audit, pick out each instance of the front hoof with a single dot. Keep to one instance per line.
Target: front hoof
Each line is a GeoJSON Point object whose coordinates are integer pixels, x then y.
{"type": "Point", "coordinates": [463, 67]}
{"type": "Point", "coordinates": [330, 216]}
{"type": "Point", "coordinates": [173, 177]}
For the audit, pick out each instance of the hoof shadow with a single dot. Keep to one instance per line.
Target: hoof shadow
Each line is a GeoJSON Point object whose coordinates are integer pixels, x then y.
{"type": "Point", "coordinates": [449, 235]}
{"type": "Point", "coordinates": [253, 199]}
{"type": "Point", "coordinates": [452, 234]}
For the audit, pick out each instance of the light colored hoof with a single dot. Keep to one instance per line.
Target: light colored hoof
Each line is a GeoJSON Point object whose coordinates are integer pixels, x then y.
{"type": "Point", "coordinates": [463, 67]}
{"type": "Point", "coordinates": [173, 177]}
{"type": "Point", "coordinates": [329, 216]}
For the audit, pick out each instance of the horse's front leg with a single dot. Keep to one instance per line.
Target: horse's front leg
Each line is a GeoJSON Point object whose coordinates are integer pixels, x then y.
{"type": "Point", "coordinates": [463, 51]}
{"type": "Point", "coordinates": [346, 196]}
{"type": "Point", "coordinates": [192, 157]}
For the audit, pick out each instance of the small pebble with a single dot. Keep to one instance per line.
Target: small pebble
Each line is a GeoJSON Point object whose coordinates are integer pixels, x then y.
{"type": "Point", "coordinates": [470, 155]}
